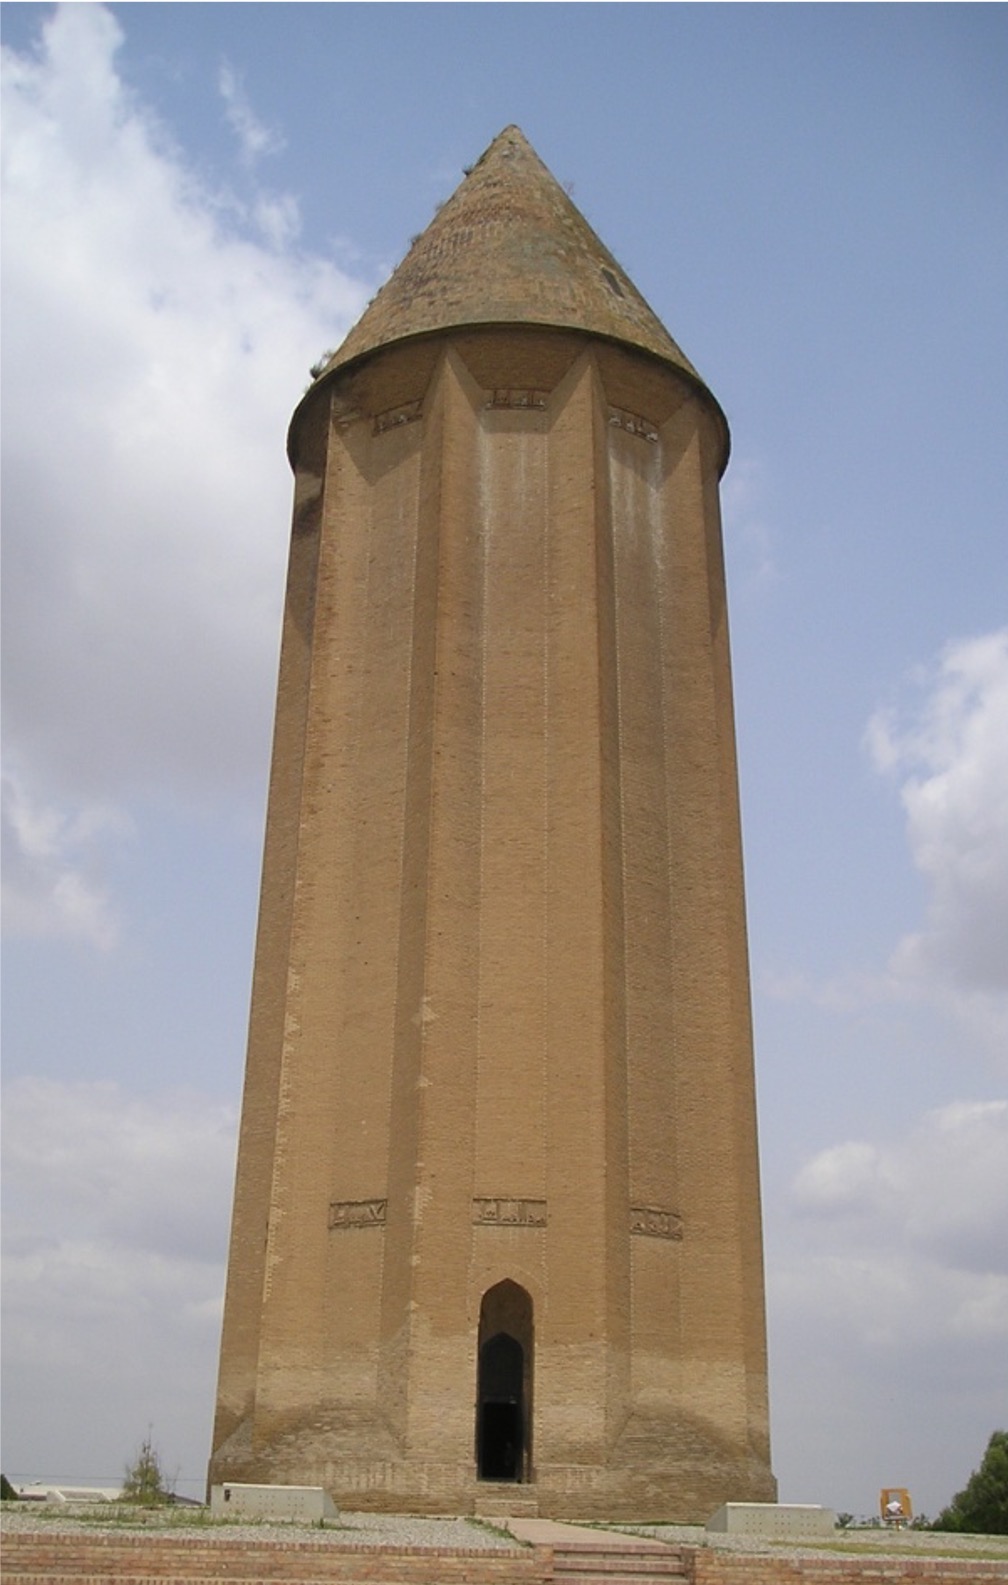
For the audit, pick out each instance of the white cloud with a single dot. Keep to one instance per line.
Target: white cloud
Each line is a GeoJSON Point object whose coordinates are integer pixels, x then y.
{"type": "Point", "coordinates": [844, 1178]}
{"type": "Point", "coordinates": [254, 138]}
{"type": "Point", "coordinates": [888, 1297]}
{"type": "Point", "coordinates": [47, 856]}
{"type": "Point", "coordinates": [115, 1232]}
{"type": "Point", "coordinates": [749, 539]}
{"type": "Point", "coordinates": [153, 352]}
{"type": "Point", "coordinates": [940, 1190]}
{"type": "Point", "coordinates": [278, 218]}
{"type": "Point", "coordinates": [951, 750]}
{"type": "Point", "coordinates": [947, 746]}
{"type": "Point", "coordinates": [118, 1171]}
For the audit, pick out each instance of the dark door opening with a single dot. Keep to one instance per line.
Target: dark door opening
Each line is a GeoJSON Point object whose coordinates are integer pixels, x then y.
{"type": "Point", "coordinates": [501, 1416]}
{"type": "Point", "coordinates": [505, 1354]}
{"type": "Point", "coordinates": [500, 1441]}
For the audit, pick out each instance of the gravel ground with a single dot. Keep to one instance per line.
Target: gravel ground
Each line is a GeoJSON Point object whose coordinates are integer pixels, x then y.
{"type": "Point", "coordinates": [922, 1543]}
{"type": "Point", "coordinates": [355, 1529]}
{"type": "Point", "coordinates": [371, 1529]}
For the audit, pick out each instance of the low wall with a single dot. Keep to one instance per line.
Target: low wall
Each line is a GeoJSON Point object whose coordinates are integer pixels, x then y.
{"type": "Point", "coordinates": [39, 1559]}
{"type": "Point", "coordinates": [710, 1566]}
{"type": "Point", "coordinates": [77, 1558]}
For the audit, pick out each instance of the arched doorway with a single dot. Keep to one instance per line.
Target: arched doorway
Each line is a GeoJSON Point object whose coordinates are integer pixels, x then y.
{"type": "Point", "coordinates": [504, 1385]}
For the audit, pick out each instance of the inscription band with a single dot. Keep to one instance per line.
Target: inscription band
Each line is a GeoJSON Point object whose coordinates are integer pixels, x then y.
{"type": "Point", "coordinates": [357, 1213]}
{"type": "Point", "coordinates": [509, 1213]}
{"type": "Point", "coordinates": [655, 1223]}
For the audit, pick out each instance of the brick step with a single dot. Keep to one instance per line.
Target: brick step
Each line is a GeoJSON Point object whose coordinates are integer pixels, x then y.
{"type": "Point", "coordinates": [669, 1577]}
{"type": "Point", "coordinates": [507, 1505]}
{"type": "Point", "coordinates": [92, 1577]}
{"type": "Point", "coordinates": [626, 1565]}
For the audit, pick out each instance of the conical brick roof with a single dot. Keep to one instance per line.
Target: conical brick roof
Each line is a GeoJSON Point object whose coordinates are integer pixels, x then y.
{"type": "Point", "coordinates": [509, 247]}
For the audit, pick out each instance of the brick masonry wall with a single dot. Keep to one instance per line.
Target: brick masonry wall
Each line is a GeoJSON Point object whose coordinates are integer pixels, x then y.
{"type": "Point", "coordinates": [40, 1559]}
{"type": "Point", "coordinates": [45, 1559]}
{"type": "Point", "coordinates": [713, 1567]}
{"type": "Point", "coordinates": [502, 948]}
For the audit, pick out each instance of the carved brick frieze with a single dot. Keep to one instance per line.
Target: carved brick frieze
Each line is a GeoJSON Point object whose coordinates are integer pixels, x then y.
{"type": "Point", "coordinates": [406, 413]}
{"type": "Point", "coordinates": [509, 1213]}
{"type": "Point", "coordinates": [502, 398]}
{"type": "Point", "coordinates": [655, 1223]}
{"type": "Point", "coordinates": [345, 1214]}
{"type": "Point", "coordinates": [633, 423]}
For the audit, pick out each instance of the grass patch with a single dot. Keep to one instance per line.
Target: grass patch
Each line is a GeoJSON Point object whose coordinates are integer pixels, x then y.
{"type": "Point", "coordinates": [163, 1516]}
{"type": "Point", "coordinates": [880, 1549]}
{"type": "Point", "coordinates": [500, 1531]}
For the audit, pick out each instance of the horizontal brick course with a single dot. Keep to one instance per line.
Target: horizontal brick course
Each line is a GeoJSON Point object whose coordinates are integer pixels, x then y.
{"type": "Point", "coordinates": [713, 1567]}
{"type": "Point", "coordinates": [34, 1559]}
{"type": "Point", "coordinates": [144, 1560]}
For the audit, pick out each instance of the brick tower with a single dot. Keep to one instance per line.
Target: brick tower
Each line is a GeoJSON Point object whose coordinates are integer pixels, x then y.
{"type": "Point", "coordinates": [497, 1217]}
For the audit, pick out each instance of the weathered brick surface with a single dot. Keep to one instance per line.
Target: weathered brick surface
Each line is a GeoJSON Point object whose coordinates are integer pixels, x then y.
{"type": "Point", "coordinates": [28, 1559]}
{"type": "Point", "coordinates": [509, 247]}
{"type": "Point", "coordinates": [39, 1559]}
{"type": "Point", "coordinates": [713, 1567]}
{"type": "Point", "coordinates": [500, 1024]}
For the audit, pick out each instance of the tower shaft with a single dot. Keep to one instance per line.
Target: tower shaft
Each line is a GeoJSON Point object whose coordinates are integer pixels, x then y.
{"type": "Point", "coordinates": [497, 1206]}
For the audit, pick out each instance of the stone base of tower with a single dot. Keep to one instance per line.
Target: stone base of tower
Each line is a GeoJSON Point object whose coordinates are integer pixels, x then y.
{"type": "Point", "coordinates": [685, 1488]}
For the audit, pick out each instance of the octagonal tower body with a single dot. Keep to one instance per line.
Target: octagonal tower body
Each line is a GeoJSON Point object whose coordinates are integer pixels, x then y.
{"type": "Point", "coordinates": [496, 1232]}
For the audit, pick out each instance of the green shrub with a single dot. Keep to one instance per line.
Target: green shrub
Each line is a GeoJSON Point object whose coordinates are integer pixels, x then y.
{"type": "Point", "coordinates": [981, 1508]}
{"type": "Point", "coordinates": [144, 1482]}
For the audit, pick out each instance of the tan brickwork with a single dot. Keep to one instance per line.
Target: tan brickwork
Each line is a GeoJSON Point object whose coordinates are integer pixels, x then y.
{"type": "Point", "coordinates": [712, 1567]}
{"type": "Point", "coordinates": [40, 1559]}
{"type": "Point", "coordinates": [141, 1560]}
{"type": "Point", "coordinates": [500, 1022]}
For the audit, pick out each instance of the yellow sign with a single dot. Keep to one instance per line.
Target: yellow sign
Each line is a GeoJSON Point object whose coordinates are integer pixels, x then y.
{"type": "Point", "coordinates": [895, 1506]}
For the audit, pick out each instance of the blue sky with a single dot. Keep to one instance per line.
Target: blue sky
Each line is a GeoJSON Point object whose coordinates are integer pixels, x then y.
{"type": "Point", "coordinates": [199, 200]}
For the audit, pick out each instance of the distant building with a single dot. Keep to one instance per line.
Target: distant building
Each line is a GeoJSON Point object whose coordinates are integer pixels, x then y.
{"type": "Point", "coordinates": [496, 1236]}
{"type": "Point", "coordinates": [58, 1491]}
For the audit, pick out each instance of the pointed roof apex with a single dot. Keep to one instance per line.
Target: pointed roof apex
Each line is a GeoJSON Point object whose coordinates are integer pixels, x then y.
{"type": "Point", "coordinates": [509, 247]}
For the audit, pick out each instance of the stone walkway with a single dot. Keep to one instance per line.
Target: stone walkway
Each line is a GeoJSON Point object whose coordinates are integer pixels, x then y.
{"type": "Point", "coordinates": [556, 1532]}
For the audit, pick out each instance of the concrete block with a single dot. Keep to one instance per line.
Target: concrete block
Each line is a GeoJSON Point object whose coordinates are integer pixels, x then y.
{"type": "Point", "coordinates": [234, 1499]}
{"type": "Point", "coordinates": [776, 1520]}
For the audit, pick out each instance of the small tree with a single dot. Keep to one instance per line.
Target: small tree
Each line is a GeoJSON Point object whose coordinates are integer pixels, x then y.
{"type": "Point", "coordinates": [7, 1492]}
{"type": "Point", "coordinates": [982, 1507]}
{"type": "Point", "coordinates": [144, 1482]}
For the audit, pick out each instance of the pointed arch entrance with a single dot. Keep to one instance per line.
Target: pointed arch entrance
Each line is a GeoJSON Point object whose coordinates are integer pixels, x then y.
{"type": "Point", "coordinates": [504, 1384]}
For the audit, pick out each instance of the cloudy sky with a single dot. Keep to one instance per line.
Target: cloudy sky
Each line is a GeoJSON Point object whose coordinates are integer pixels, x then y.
{"type": "Point", "coordinates": [198, 201]}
